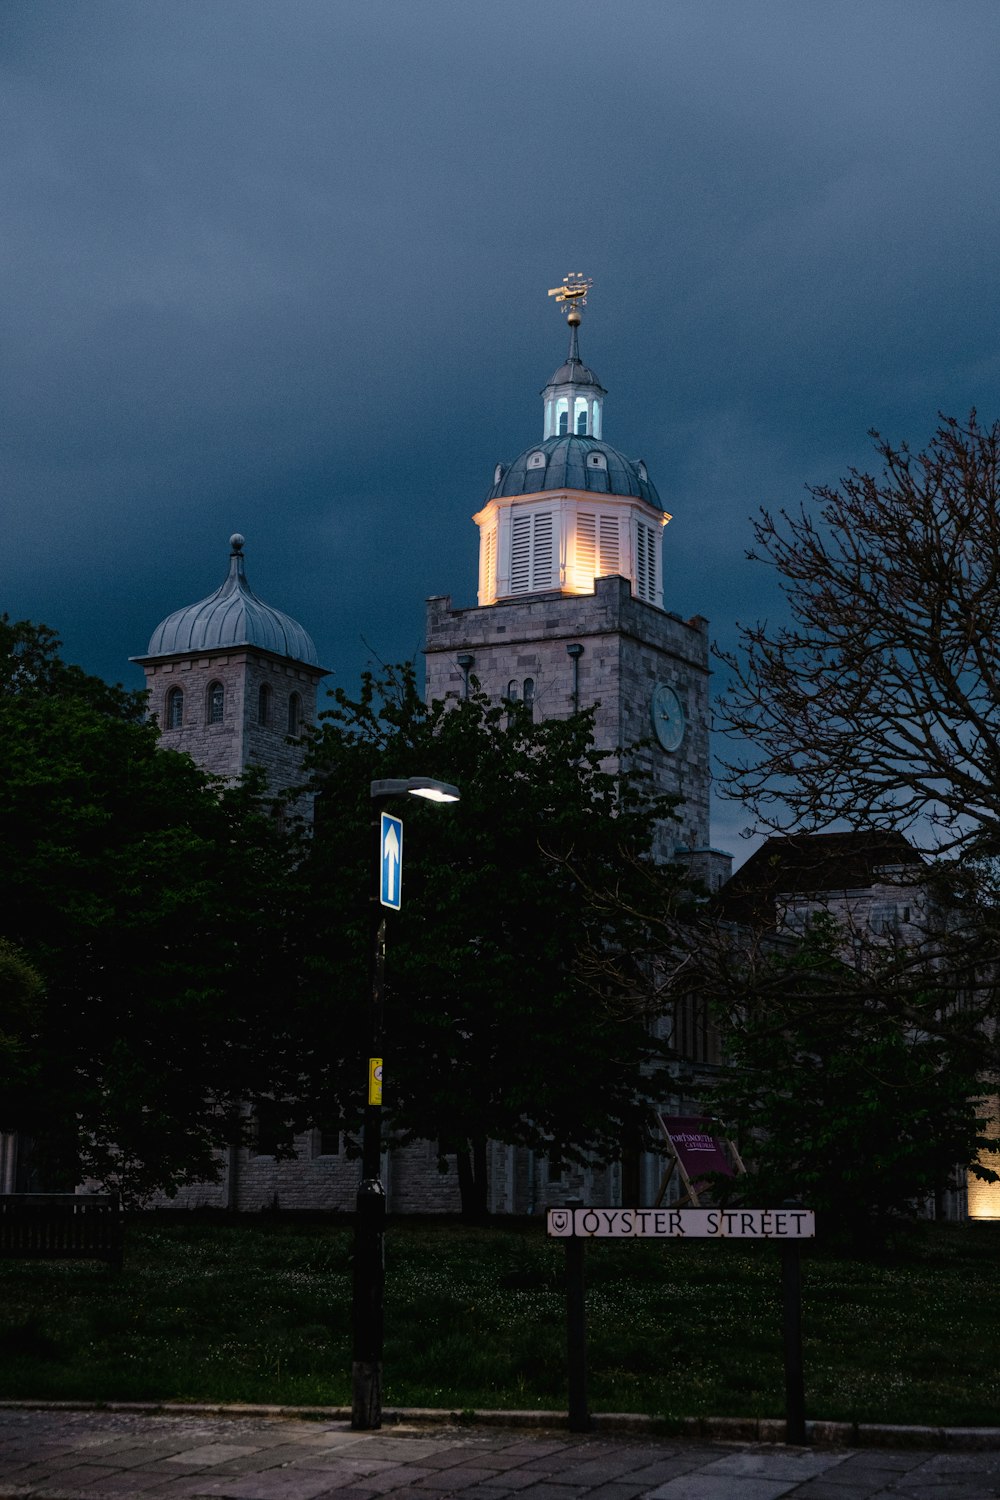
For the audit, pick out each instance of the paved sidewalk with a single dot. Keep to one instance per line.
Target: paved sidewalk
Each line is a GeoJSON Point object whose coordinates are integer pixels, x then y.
{"type": "Point", "coordinates": [87, 1455]}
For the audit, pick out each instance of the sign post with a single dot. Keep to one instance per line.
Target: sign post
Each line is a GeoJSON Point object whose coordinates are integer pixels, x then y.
{"type": "Point", "coordinates": [789, 1225]}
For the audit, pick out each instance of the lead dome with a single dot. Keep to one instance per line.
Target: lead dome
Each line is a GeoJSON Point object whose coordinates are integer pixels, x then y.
{"type": "Point", "coordinates": [576, 463]}
{"type": "Point", "coordinates": [233, 616]}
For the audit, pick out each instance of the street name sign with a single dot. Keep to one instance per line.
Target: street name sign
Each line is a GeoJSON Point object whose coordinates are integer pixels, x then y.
{"type": "Point", "coordinates": [390, 845]}
{"type": "Point", "coordinates": [682, 1223]}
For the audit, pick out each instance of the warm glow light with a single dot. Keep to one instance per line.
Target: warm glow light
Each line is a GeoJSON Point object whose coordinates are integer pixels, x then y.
{"type": "Point", "coordinates": [415, 786]}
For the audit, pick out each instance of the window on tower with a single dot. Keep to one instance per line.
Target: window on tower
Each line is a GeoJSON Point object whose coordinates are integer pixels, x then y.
{"type": "Point", "coordinates": [529, 694]}
{"type": "Point", "coordinates": [581, 416]}
{"type": "Point", "coordinates": [175, 708]}
{"type": "Point", "coordinates": [513, 691]}
{"type": "Point", "coordinates": [294, 714]}
{"type": "Point", "coordinates": [264, 704]}
{"type": "Point", "coordinates": [216, 702]}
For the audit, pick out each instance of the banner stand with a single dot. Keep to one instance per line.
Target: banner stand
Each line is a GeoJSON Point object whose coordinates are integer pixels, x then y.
{"type": "Point", "coordinates": [687, 1138]}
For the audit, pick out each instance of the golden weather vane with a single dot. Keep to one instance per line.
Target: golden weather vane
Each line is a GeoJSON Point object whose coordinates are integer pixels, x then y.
{"type": "Point", "coordinates": [573, 291]}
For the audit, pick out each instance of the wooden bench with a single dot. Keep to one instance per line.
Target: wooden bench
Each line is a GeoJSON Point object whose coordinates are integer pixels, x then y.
{"type": "Point", "coordinates": [62, 1226]}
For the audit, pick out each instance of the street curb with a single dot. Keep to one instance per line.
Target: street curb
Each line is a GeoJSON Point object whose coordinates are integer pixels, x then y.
{"type": "Point", "coordinates": [710, 1429]}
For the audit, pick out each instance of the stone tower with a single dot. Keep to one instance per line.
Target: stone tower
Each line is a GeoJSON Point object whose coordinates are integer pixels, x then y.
{"type": "Point", "coordinates": [233, 681]}
{"type": "Point", "coordinates": [570, 610]}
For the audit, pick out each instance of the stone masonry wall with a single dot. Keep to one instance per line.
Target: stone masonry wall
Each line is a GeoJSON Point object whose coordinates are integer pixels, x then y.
{"type": "Point", "coordinates": [227, 748]}
{"type": "Point", "coordinates": [628, 646]}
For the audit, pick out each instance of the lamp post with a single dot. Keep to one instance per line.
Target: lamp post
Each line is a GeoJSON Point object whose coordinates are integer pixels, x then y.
{"type": "Point", "coordinates": [369, 1224]}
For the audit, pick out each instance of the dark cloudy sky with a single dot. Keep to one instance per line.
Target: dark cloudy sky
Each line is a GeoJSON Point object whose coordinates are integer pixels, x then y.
{"type": "Point", "coordinates": [281, 268]}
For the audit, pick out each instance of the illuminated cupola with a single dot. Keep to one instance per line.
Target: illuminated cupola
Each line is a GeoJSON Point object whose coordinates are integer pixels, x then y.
{"type": "Point", "coordinates": [571, 509]}
{"type": "Point", "coordinates": [574, 397]}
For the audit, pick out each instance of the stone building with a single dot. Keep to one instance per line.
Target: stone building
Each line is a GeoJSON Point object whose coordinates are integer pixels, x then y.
{"type": "Point", "coordinates": [571, 613]}
{"type": "Point", "coordinates": [233, 681]}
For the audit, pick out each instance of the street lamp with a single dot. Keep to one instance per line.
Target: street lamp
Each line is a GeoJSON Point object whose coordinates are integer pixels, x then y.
{"type": "Point", "coordinates": [369, 1224]}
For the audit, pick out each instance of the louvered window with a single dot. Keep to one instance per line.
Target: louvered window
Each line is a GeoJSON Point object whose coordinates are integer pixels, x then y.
{"type": "Point", "coordinates": [645, 562]}
{"type": "Point", "coordinates": [541, 562]}
{"type": "Point", "coordinates": [531, 553]}
{"type": "Point", "coordinates": [596, 546]}
{"type": "Point", "coordinates": [586, 546]}
{"type": "Point", "coordinates": [488, 581]}
{"type": "Point", "coordinates": [609, 562]}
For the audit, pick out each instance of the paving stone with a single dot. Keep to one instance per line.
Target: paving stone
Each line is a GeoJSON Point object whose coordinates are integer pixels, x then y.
{"type": "Point", "coordinates": [546, 1490]}
{"type": "Point", "coordinates": [776, 1463]}
{"type": "Point", "coordinates": [618, 1490]}
{"type": "Point", "coordinates": [872, 1459]}
{"type": "Point", "coordinates": [721, 1487]}
{"type": "Point", "coordinates": [825, 1489]}
{"type": "Point", "coordinates": [278, 1484]}
{"type": "Point", "coordinates": [667, 1468]}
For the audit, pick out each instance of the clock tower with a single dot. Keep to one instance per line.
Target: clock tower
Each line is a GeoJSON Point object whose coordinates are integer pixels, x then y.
{"type": "Point", "coordinates": [571, 610]}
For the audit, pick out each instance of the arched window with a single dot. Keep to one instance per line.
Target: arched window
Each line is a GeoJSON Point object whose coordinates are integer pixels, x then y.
{"type": "Point", "coordinates": [294, 714]}
{"type": "Point", "coordinates": [513, 692]}
{"type": "Point", "coordinates": [216, 702]}
{"type": "Point", "coordinates": [580, 413]}
{"type": "Point", "coordinates": [175, 708]}
{"type": "Point", "coordinates": [562, 415]}
{"type": "Point", "coordinates": [563, 423]}
{"type": "Point", "coordinates": [264, 704]}
{"type": "Point", "coordinates": [529, 694]}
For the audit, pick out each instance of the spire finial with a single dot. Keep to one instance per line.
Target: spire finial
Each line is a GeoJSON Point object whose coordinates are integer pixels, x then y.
{"type": "Point", "coordinates": [573, 292]}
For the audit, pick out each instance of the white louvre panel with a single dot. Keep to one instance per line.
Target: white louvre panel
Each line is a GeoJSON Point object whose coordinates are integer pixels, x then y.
{"type": "Point", "coordinates": [520, 555]}
{"type": "Point", "coordinates": [541, 561]}
{"type": "Point", "coordinates": [653, 582]}
{"type": "Point", "coordinates": [488, 580]}
{"type": "Point", "coordinates": [531, 553]}
{"type": "Point", "coordinates": [609, 562]}
{"type": "Point", "coordinates": [586, 546]}
{"type": "Point", "coordinates": [645, 563]}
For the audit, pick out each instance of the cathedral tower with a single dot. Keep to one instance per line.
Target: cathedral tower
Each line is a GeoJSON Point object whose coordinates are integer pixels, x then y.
{"type": "Point", "coordinates": [571, 608]}
{"type": "Point", "coordinates": [233, 681]}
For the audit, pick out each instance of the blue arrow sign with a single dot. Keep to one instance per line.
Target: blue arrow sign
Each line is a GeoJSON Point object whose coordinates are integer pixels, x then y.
{"type": "Point", "coordinates": [390, 860]}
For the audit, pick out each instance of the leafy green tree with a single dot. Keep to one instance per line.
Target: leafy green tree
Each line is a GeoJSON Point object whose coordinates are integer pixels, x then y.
{"type": "Point", "coordinates": [494, 1027]}
{"type": "Point", "coordinates": [159, 909]}
{"type": "Point", "coordinates": [21, 995]}
{"type": "Point", "coordinates": [837, 1095]}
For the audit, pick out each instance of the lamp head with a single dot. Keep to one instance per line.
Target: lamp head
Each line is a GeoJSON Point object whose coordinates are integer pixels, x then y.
{"type": "Point", "coordinates": [415, 786]}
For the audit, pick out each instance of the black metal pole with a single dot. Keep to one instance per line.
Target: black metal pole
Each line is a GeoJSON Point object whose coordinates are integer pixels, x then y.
{"type": "Point", "coordinates": [791, 1297]}
{"type": "Point", "coordinates": [576, 1335]}
{"type": "Point", "coordinates": [369, 1227]}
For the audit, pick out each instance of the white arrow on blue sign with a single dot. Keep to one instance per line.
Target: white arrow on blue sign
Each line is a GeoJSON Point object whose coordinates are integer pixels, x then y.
{"type": "Point", "coordinates": [391, 861]}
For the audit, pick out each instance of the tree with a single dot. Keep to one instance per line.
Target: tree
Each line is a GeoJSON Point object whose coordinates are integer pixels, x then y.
{"type": "Point", "coordinates": [492, 1029]}
{"type": "Point", "coordinates": [21, 994]}
{"type": "Point", "coordinates": [837, 1097]}
{"type": "Point", "coordinates": [880, 702]}
{"type": "Point", "coordinates": [159, 908]}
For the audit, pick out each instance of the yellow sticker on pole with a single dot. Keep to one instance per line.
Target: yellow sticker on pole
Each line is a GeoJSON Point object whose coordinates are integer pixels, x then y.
{"type": "Point", "coordinates": [374, 1080]}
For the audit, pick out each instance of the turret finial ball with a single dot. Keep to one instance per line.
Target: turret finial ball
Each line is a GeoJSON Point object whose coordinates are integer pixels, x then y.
{"type": "Point", "coordinates": [237, 542]}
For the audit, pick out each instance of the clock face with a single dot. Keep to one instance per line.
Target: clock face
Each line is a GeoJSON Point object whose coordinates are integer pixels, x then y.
{"type": "Point", "coordinates": [668, 716]}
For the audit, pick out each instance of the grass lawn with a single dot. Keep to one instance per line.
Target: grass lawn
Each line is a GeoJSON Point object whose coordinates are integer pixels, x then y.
{"type": "Point", "coordinates": [476, 1318]}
